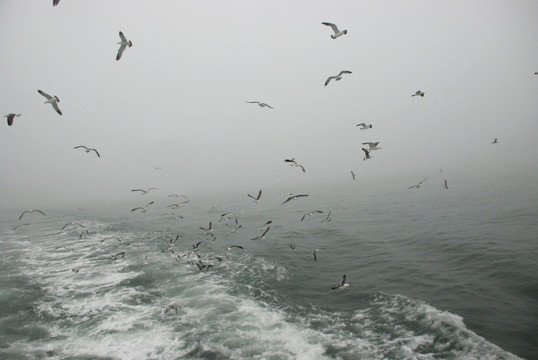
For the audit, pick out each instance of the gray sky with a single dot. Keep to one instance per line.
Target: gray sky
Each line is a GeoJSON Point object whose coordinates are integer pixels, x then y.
{"type": "Point", "coordinates": [176, 99]}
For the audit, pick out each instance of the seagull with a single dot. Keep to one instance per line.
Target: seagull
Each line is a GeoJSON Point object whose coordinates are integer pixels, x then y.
{"type": "Point", "coordinates": [10, 117]}
{"type": "Point", "coordinates": [372, 145]}
{"type": "Point", "coordinates": [178, 196]}
{"type": "Point", "coordinates": [337, 33]}
{"type": "Point", "coordinates": [337, 77]}
{"type": "Point", "coordinates": [144, 208]}
{"type": "Point", "coordinates": [73, 223]}
{"type": "Point", "coordinates": [87, 149]}
{"type": "Point", "coordinates": [111, 238]}
{"type": "Point", "coordinates": [175, 206]}
{"type": "Point", "coordinates": [445, 185]}
{"type": "Point", "coordinates": [364, 126]}
{"type": "Point", "coordinates": [195, 247]}
{"type": "Point", "coordinates": [234, 246]}
{"type": "Point", "coordinates": [353, 175]}
{"type": "Point", "coordinates": [53, 100]}
{"type": "Point", "coordinates": [495, 141]}
{"type": "Point", "coordinates": [55, 2]}
{"type": "Point", "coordinates": [209, 229]}
{"type": "Point", "coordinates": [311, 214]}
{"type": "Point", "coordinates": [144, 192]}
{"type": "Point", "coordinates": [260, 104]}
{"type": "Point", "coordinates": [262, 236]}
{"type": "Point", "coordinates": [328, 218]}
{"type": "Point", "coordinates": [123, 44]}
{"type": "Point", "coordinates": [118, 255]}
{"type": "Point", "coordinates": [342, 284]}
{"type": "Point", "coordinates": [417, 186]}
{"type": "Point", "coordinates": [222, 216]}
{"type": "Point", "coordinates": [293, 197]}
{"type": "Point", "coordinates": [257, 198]}
{"type": "Point", "coordinates": [294, 163]}
{"type": "Point", "coordinates": [418, 93]}
{"type": "Point", "coordinates": [315, 251]}
{"type": "Point", "coordinates": [233, 230]}
{"type": "Point", "coordinates": [292, 247]}
{"type": "Point", "coordinates": [367, 154]}
{"type": "Point", "coordinates": [31, 211]}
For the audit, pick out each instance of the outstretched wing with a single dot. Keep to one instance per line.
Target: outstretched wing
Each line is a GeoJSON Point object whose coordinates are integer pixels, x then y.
{"type": "Point", "coordinates": [334, 27]}
{"type": "Point", "coordinates": [120, 51]}
{"type": "Point", "coordinates": [45, 94]}
{"type": "Point", "coordinates": [344, 72]}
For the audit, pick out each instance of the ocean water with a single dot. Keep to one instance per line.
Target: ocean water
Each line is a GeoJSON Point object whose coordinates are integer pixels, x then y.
{"type": "Point", "coordinates": [433, 274]}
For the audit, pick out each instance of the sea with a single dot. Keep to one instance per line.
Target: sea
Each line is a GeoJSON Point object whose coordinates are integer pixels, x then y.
{"type": "Point", "coordinates": [431, 273]}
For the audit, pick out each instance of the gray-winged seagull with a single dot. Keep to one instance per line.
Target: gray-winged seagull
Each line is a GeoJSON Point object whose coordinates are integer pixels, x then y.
{"type": "Point", "coordinates": [53, 100]}
{"type": "Point", "coordinates": [337, 33]}
{"type": "Point", "coordinates": [337, 77]}
{"type": "Point", "coordinates": [123, 44]}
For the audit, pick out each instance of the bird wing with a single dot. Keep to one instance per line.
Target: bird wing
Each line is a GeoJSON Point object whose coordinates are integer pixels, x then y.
{"type": "Point", "coordinates": [334, 27]}
{"type": "Point", "coordinates": [366, 152]}
{"type": "Point", "coordinates": [369, 143]}
{"type": "Point", "coordinates": [250, 196]}
{"type": "Point", "coordinates": [252, 102]}
{"type": "Point", "coordinates": [120, 50]}
{"type": "Point", "coordinates": [82, 146]}
{"type": "Point", "coordinates": [122, 37]}
{"type": "Point", "coordinates": [55, 106]}
{"type": "Point", "coordinates": [329, 79]}
{"type": "Point", "coordinates": [96, 152]}
{"type": "Point", "coordinates": [303, 217]}
{"type": "Point", "coordinates": [10, 118]}
{"type": "Point", "coordinates": [269, 106]}
{"type": "Point", "coordinates": [45, 94]}
{"type": "Point", "coordinates": [343, 280]}
{"type": "Point", "coordinates": [259, 195]}
{"type": "Point", "coordinates": [344, 72]}
{"type": "Point", "coordinates": [302, 167]}
{"type": "Point", "coordinates": [361, 124]}
{"type": "Point", "coordinates": [423, 181]}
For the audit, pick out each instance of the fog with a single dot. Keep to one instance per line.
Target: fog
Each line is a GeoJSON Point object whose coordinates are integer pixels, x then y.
{"type": "Point", "coordinates": [172, 114]}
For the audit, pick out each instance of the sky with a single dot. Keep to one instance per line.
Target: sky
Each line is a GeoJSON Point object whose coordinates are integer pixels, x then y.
{"type": "Point", "coordinates": [176, 99]}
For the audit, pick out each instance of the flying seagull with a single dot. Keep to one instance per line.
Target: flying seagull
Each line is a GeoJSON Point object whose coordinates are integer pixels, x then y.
{"type": "Point", "coordinates": [31, 211]}
{"type": "Point", "coordinates": [495, 141]}
{"type": "Point", "coordinates": [364, 126]}
{"type": "Point", "coordinates": [418, 93]}
{"type": "Point", "coordinates": [119, 255]}
{"type": "Point", "coordinates": [144, 192]}
{"type": "Point", "coordinates": [234, 246]}
{"type": "Point", "coordinates": [11, 117]}
{"type": "Point", "coordinates": [342, 284]}
{"type": "Point", "coordinates": [260, 104]}
{"type": "Point", "coordinates": [315, 251]}
{"type": "Point", "coordinates": [311, 213]}
{"type": "Point", "coordinates": [123, 44]}
{"type": "Point", "coordinates": [337, 77]}
{"type": "Point", "coordinates": [294, 163]}
{"type": "Point", "coordinates": [257, 198]}
{"type": "Point", "coordinates": [293, 197]}
{"type": "Point", "coordinates": [175, 206]}
{"type": "Point", "coordinates": [87, 149]}
{"type": "Point", "coordinates": [353, 175]}
{"type": "Point", "coordinates": [372, 145]}
{"type": "Point", "coordinates": [53, 100]}
{"type": "Point", "coordinates": [337, 33]}
{"type": "Point", "coordinates": [367, 154]}
{"type": "Point", "coordinates": [143, 208]}
{"type": "Point", "coordinates": [266, 224]}
{"type": "Point", "coordinates": [178, 195]}
{"type": "Point", "coordinates": [292, 247]}
{"type": "Point", "coordinates": [73, 223]}
{"type": "Point", "coordinates": [417, 186]}
{"type": "Point", "coordinates": [445, 185]}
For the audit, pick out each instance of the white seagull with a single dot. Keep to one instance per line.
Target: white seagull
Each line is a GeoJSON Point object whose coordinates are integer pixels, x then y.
{"type": "Point", "coordinates": [257, 198]}
{"type": "Point", "coordinates": [418, 93]}
{"type": "Point", "coordinates": [143, 208]}
{"type": "Point", "coordinates": [311, 213]}
{"type": "Point", "coordinates": [372, 145]}
{"type": "Point", "coordinates": [367, 154]}
{"type": "Point", "coordinates": [328, 218]}
{"type": "Point", "coordinates": [343, 284]}
{"type": "Point", "coordinates": [417, 186]}
{"type": "Point", "coordinates": [10, 117]}
{"type": "Point", "coordinates": [88, 149]}
{"type": "Point", "coordinates": [53, 100]}
{"type": "Point", "coordinates": [364, 126]}
{"type": "Point", "coordinates": [123, 44]}
{"type": "Point", "coordinates": [293, 197]}
{"type": "Point", "coordinates": [144, 192]}
{"type": "Point", "coordinates": [337, 77]}
{"type": "Point", "coordinates": [31, 211]}
{"type": "Point", "coordinates": [337, 33]}
{"type": "Point", "coordinates": [260, 104]}
{"type": "Point", "coordinates": [294, 163]}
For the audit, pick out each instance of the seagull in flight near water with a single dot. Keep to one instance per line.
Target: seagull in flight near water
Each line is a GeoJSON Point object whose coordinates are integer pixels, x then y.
{"type": "Point", "coordinates": [11, 117]}
{"type": "Point", "coordinates": [88, 149]}
{"type": "Point", "coordinates": [257, 198]}
{"type": "Point", "coordinates": [343, 284]}
{"type": "Point", "coordinates": [144, 192]}
{"type": "Point", "coordinates": [417, 186]}
{"type": "Point", "coordinates": [143, 208]}
{"type": "Point", "coordinates": [53, 100]}
{"type": "Point", "coordinates": [337, 77]}
{"type": "Point", "coordinates": [260, 104]}
{"type": "Point", "coordinates": [293, 197]}
{"type": "Point", "coordinates": [31, 211]}
{"type": "Point", "coordinates": [123, 44]}
{"type": "Point", "coordinates": [337, 33]}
